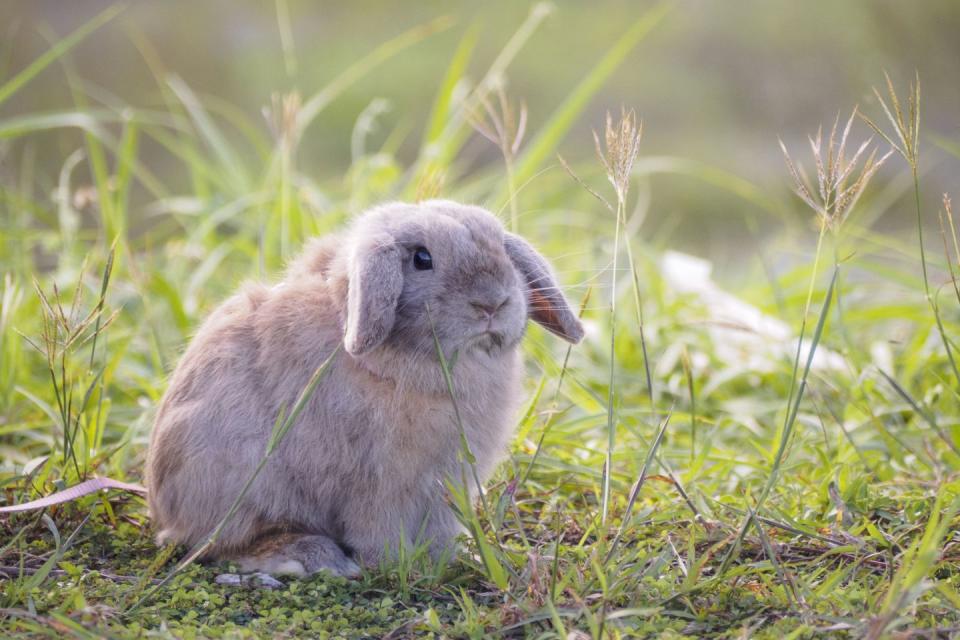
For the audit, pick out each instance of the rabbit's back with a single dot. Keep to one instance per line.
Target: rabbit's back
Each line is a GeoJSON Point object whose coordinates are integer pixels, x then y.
{"type": "Point", "coordinates": [249, 359]}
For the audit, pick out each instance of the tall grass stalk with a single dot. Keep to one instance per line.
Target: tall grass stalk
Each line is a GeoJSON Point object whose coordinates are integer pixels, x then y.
{"type": "Point", "coordinates": [504, 126]}
{"type": "Point", "coordinates": [285, 220]}
{"type": "Point", "coordinates": [638, 308]}
{"type": "Point", "coordinates": [286, 38]}
{"type": "Point", "coordinates": [617, 155]}
{"type": "Point", "coordinates": [948, 232]}
{"type": "Point", "coordinates": [906, 141]}
{"type": "Point", "coordinates": [832, 201]}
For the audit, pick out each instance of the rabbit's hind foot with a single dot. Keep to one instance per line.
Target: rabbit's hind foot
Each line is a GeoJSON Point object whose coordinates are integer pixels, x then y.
{"type": "Point", "coordinates": [297, 554]}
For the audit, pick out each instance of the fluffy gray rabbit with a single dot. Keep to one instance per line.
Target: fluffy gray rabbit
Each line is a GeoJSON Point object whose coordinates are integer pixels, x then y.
{"type": "Point", "coordinates": [367, 459]}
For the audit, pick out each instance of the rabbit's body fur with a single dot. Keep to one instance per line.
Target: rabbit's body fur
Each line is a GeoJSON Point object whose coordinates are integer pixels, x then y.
{"type": "Point", "coordinates": [367, 459]}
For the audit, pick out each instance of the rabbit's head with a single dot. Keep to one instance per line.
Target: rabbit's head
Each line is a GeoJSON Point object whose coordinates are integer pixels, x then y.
{"type": "Point", "coordinates": [450, 270]}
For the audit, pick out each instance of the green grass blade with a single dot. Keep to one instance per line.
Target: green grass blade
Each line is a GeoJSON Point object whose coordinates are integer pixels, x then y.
{"type": "Point", "coordinates": [37, 122]}
{"type": "Point", "coordinates": [925, 415]}
{"type": "Point", "coordinates": [551, 134]}
{"type": "Point", "coordinates": [635, 491]}
{"type": "Point", "coordinates": [319, 101]}
{"type": "Point", "coordinates": [911, 580]}
{"type": "Point", "coordinates": [211, 134]}
{"type": "Point", "coordinates": [123, 170]}
{"type": "Point", "coordinates": [440, 112]}
{"type": "Point", "coordinates": [787, 432]}
{"type": "Point", "coordinates": [14, 84]}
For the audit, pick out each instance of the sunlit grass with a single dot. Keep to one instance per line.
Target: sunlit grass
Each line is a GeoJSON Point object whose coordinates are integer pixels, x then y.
{"type": "Point", "coordinates": [679, 472]}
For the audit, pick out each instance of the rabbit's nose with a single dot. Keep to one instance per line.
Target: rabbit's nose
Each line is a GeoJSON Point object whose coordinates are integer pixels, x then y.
{"type": "Point", "coordinates": [487, 308]}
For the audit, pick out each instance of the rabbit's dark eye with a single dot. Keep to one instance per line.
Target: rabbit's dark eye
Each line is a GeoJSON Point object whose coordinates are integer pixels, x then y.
{"type": "Point", "coordinates": [422, 260]}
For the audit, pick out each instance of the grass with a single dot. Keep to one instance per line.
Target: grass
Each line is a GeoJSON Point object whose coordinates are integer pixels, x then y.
{"type": "Point", "coordinates": [677, 475]}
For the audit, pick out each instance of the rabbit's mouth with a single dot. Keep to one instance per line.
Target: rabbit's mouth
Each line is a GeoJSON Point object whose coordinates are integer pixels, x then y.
{"type": "Point", "coordinates": [487, 341]}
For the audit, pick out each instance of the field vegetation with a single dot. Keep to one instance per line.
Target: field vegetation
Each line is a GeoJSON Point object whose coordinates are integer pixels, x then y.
{"type": "Point", "coordinates": [778, 463]}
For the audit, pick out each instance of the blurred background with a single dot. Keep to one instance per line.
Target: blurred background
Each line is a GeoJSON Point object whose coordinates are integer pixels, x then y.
{"type": "Point", "coordinates": [715, 83]}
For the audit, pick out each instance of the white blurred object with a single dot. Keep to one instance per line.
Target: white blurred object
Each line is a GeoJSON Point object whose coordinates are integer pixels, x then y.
{"type": "Point", "coordinates": [740, 332]}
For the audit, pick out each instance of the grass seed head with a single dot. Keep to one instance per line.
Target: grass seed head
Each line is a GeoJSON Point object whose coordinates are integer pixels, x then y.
{"type": "Point", "coordinates": [502, 124]}
{"type": "Point", "coordinates": [622, 144]}
{"type": "Point", "coordinates": [905, 138]}
{"type": "Point", "coordinates": [951, 245]}
{"type": "Point", "coordinates": [430, 184]}
{"type": "Point", "coordinates": [950, 228]}
{"type": "Point", "coordinates": [281, 116]}
{"type": "Point", "coordinates": [840, 181]}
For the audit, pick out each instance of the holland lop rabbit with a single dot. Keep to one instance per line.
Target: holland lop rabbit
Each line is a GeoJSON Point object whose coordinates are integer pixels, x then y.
{"type": "Point", "coordinates": [367, 459]}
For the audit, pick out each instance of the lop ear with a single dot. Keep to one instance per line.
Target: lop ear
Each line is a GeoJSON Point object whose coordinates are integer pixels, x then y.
{"type": "Point", "coordinates": [375, 280]}
{"type": "Point", "coordinates": [548, 307]}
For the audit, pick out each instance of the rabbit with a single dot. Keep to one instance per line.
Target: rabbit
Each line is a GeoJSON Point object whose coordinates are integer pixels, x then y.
{"type": "Point", "coordinates": [364, 465]}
